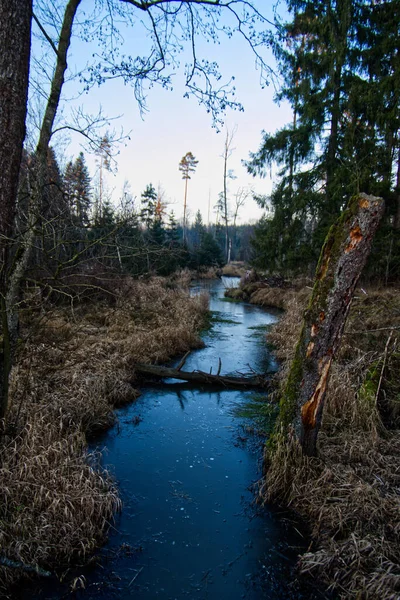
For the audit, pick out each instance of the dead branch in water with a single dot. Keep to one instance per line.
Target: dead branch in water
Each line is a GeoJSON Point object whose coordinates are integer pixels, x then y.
{"type": "Point", "coordinates": [226, 381]}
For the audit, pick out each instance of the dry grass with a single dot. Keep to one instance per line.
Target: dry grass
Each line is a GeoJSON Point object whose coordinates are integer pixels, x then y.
{"type": "Point", "coordinates": [73, 369]}
{"type": "Point", "coordinates": [269, 291]}
{"type": "Point", "coordinates": [350, 494]}
{"type": "Point", "coordinates": [275, 297]}
{"type": "Point", "coordinates": [234, 269]}
{"type": "Point", "coordinates": [207, 273]}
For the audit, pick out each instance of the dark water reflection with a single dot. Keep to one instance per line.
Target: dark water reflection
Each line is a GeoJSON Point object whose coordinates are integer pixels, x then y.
{"type": "Point", "coordinates": [185, 465]}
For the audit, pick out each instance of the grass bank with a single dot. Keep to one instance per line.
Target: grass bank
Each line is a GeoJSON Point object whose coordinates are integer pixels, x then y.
{"type": "Point", "coordinates": [350, 494]}
{"type": "Point", "coordinates": [73, 367]}
{"type": "Point", "coordinates": [270, 292]}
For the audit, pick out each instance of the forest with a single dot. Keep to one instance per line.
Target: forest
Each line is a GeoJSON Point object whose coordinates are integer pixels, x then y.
{"type": "Point", "coordinates": [94, 288]}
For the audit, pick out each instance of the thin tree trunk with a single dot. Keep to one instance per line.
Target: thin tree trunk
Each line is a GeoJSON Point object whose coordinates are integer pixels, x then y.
{"type": "Point", "coordinates": [397, 215]}
{"type": "Point", "coordinates": [225, 217]}
{"type": "Point", "coordinates": [342, 258]}
{"type": "Point", "coordinates": [15, 43]}
{"type": "Point", "coordinates": [341, 23]}
{"type": "Point", "coordinates": [184, 210]}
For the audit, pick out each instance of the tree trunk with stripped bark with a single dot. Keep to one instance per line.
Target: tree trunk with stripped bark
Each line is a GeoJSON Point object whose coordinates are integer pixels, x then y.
{"type": "Point", "coordinates": [342, 259]}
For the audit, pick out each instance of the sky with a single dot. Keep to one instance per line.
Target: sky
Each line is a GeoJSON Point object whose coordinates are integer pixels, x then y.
{"type": "Point", "coordinates": [174, 125]}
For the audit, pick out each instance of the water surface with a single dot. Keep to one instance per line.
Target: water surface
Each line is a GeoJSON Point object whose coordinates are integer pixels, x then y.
{"type": "Point", "coordinates": [186, 466]}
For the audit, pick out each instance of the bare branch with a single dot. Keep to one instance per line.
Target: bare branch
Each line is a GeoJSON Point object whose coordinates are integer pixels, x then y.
{"type": "Point", "coordinates": [46, 35]}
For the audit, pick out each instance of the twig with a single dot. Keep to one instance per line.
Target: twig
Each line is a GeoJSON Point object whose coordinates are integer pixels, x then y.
{"type": "Point", "coordinates": [383, 366]}
{"type": "Point", "coordinates": [219, 366]}
{"type": "Point", "coordinates": [182, 362]}
{"type": "Point", "coordinates": [392, 328]}
{"type": "Point", "coordinates": [133, 578]}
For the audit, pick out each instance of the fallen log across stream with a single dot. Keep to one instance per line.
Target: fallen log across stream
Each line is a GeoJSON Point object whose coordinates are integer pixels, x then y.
{"type": "Point", "coordinates": [225, 381]}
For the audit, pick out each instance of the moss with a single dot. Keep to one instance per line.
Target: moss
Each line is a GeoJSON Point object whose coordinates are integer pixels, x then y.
{"type": "Point", "coordinates": [369, 388]}
{"type": "Point", "coordinates": [228, 299]}
{"type": "Point", "coordinates": [215, 318]}
{"type": "Point", "coordinates": [329, 253]}
{"type": "Point", "coordinates": [288, 401]}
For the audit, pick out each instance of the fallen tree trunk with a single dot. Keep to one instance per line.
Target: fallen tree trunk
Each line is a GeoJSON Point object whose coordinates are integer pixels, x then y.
{"type": "Point", "coordinates": [342, 258]}
{"type": "Point", "coordinates": [226, 381]}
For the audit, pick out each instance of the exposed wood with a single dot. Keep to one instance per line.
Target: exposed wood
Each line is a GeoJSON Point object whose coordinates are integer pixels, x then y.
{"type": "Point", "coordinates": [225, 381]}
{"type": "Point", "coordinates": [343, 256]}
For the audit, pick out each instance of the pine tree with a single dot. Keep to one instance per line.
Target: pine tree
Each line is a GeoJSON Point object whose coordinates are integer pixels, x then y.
{"type": "Point", "coordinates": [198, 230]}
{"type": "Point", "coordinates": [187, 166]}
{"type": "Point", "coordinates": [172, 232]}
{"type": "Point", "coordinates": [77, 187]}
{"type": "Point", "coordinates": [149, 204]}
{"type": "Point", "coordinates": [340, 68]}
{"type": "Point", "coordinates": [209, 254]}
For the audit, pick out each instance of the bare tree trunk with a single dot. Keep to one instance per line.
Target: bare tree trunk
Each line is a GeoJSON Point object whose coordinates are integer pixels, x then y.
{"type": "Point", "coordinates": [397, 191]}
{"type": "Point", "coordinates": [225, 204]}
{"type": "Point", "coordinates": [184, 210]}
{"type": "Point", "coordinates": [341, 23]}
{"type": "Point", "coordinates": [15, 43]}
{"type": "Point", "coordinates": [225, 209]}
{"type": "Point", "coordinates": [342, 258]}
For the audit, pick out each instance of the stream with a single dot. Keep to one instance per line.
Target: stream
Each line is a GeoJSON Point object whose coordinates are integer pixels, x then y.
{"type": "Point", "coordinates": [186, 464]}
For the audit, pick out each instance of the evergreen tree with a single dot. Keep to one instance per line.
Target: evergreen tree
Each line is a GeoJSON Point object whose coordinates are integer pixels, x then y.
{"type": "Point", "coordinates": [198, 230]}
{"type": "Point", "coordinates": [209, 254]}
{"type": "Point", "coordinates": [149, 204]}
{"type": "Point", "coordinates": [340, 68]}
{"type": "Point", "coordinates": [187, 166]}
{"type": "Point", "coordinates": [77, 186]}
{"type": "Point", "coordinates": [172, 231]}
{"type": "Point", "coordinates": [103, 154]}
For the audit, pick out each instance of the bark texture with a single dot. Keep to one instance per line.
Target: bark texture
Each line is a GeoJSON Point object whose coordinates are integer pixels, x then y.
{"type": "Point", "coordinates": [15, 41]}
{"type": "Point", "coordinates": [342, 259]}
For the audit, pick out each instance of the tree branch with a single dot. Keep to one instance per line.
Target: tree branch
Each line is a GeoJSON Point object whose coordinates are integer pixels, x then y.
{"type": "Point", "coordinates": [46, 35]}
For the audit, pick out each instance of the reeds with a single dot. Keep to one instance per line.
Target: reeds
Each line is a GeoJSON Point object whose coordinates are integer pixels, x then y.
{"type": "Point", "coordinates": [234, 269]}
{"type": "Point", "coordinates": [73, 369]}
{"type": "Point", "coordinates": [350, 494]}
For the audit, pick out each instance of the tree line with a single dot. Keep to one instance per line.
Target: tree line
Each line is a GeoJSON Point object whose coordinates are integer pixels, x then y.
{"type": "Point", "coordinates": [80, 231]}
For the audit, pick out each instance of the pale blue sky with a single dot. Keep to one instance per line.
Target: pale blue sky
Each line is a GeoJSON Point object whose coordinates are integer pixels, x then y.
{"type": "Point", "coordinates": [174, 125]}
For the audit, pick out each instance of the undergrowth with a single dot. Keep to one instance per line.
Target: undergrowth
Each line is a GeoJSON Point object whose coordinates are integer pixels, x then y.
{"type": "Point", "coordinates": [73, 367]}
{"type": "Point", "coordinates": [350, 494]}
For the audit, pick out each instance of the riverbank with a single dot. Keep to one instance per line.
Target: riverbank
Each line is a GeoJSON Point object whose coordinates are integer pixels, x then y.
{"type": "Point", "coordinates": [270, 292]}
{"type": "Point", "coordinates": [350, 494]}
{"type": "Point", "coordinates": [74, 366]}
